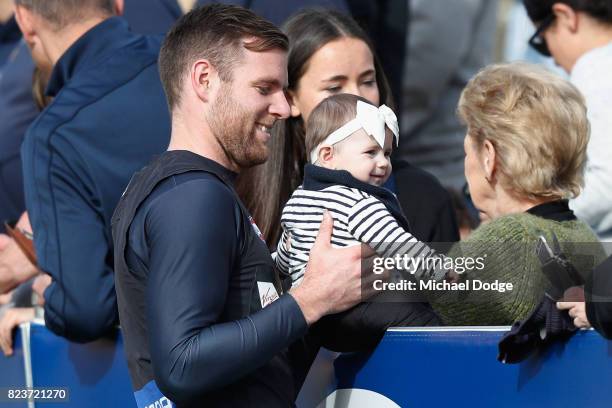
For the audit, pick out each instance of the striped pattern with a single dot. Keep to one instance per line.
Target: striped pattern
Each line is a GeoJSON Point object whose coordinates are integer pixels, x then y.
{"type": "Point", "coordinates": [358, 218]}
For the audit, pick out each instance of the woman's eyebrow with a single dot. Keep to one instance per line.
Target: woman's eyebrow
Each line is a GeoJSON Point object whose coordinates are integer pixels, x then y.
{"type": "Point", "coordinates": [336, 78]}
{"type": "Point", "coordinates": [368, 72]}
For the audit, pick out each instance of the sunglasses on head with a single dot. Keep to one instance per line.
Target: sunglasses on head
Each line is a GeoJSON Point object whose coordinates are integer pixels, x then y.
{"type": "Point", "coordinates": [537, 41]}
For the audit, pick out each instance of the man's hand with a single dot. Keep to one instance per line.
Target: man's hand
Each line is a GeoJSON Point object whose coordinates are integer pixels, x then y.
{"type": "Point", "coordinates": [332, 280]}
{"type": "Point", "coordinates": [577, 311]}
{"type": "Point", "coordinates": [11, 319]}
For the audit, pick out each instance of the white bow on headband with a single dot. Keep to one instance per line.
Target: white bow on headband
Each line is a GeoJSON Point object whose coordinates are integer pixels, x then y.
{"type": "Point", "coordinates": [369, 118]}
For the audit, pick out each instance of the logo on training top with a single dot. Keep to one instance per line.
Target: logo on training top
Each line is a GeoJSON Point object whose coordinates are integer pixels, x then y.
{"type": "Point", "coordinates": [256, 229]}
{"type": "Point", "coordinates": [267, 293]}
{"type": "Point", "coordinates": [163, 402]}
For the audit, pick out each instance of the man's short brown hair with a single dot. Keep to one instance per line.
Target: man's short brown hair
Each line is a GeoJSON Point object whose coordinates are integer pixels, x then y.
{"type": "Point", "coordinates": [63, 12]}
{"type": "Point", "coordinates": [217, 33]}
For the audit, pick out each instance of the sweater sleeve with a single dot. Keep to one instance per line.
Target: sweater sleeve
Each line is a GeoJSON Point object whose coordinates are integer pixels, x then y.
{"type": "Point", "coordinates": [502, 250]}
{"type": "Point", "coordinates": [371, 222]}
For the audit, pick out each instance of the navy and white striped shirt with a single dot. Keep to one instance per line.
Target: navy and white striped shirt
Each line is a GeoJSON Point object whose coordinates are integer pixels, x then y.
{"type": "Point", "coordinates": [359, 217]}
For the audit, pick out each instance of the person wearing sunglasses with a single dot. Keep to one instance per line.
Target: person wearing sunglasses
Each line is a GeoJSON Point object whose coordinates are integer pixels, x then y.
{"type": "Point", "coordinates": [578, 35]}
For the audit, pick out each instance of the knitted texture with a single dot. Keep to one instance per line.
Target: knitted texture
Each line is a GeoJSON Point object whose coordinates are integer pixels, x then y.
{"type": "Point", "coordinates": [507, 245]}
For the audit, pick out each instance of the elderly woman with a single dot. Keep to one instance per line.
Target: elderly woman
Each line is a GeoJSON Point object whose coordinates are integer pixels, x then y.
{"type": "Point", "coordinates": [525, 154]}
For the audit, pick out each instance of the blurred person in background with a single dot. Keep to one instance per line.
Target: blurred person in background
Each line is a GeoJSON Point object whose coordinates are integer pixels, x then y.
{"type": "Point", "coordinates": [578, 35]}
{"type": "Point", "coordinates": [448, 42]}
{"type": "Point", "coordinates": [18, 108]}
{"type": "Point", "coordinates": [107, 118]}
{"type": "Point", "coordinates": [385, 22]}
{"type": "Point", "coordinates": [155, 16]}
{"type": "Point", "coordinates": [17, 111]}
{"type": "Point", "coordinates": [278, 11]}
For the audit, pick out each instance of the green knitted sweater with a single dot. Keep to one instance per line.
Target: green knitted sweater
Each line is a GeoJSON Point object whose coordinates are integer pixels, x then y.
{"type": "Point", "coordinates": [507, 247]}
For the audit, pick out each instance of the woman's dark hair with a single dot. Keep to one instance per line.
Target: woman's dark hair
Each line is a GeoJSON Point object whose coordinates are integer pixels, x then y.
{"type": "Point", "coordinates": [600, 10]}
{"type": "Point", "coordinates": [266, 188]}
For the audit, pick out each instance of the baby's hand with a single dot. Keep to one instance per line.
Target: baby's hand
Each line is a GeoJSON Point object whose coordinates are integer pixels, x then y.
{"type": "Point", "coordinates": [452, 277]}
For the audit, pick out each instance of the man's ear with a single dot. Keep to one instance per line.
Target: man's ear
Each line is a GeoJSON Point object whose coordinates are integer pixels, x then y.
{"type": "Point", "coordinates": [566, 17]}
{"type": "Point", "coordinates": [119, 7]}
{"type": "Point", "coordinates": [488, 156]}
{"type": "Point", "coordinates": [295, 110]}
{"type": "Point", "coordinates": [26, 22]}
{"type": "Point", "coordinates": [203, 77]}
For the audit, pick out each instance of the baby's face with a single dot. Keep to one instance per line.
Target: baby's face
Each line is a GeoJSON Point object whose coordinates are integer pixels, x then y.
{"type": "Point", "coordinates": [361, 156]}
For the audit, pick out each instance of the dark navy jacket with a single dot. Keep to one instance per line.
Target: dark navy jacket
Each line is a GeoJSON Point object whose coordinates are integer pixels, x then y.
{"type": "Point", "coordinates": [17, 111]}
{"type": "Point", "coordinates": [17, 108]}
{"type": "Point", "coordinates": [108, 118]}
{"type": "Point", "coordinates": [151, 16]}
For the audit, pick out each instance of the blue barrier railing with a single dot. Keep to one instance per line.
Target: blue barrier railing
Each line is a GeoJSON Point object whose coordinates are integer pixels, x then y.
{"type": "Point", "coordinates": [94, 374]}
{"type": "Point", "coordinates": [410, 368]}
{"type": "Point", "coordinates": [458, 367]}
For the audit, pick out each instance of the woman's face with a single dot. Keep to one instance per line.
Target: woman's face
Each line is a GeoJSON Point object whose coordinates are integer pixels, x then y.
{"type": "Point", "coordinates": [345, 65]}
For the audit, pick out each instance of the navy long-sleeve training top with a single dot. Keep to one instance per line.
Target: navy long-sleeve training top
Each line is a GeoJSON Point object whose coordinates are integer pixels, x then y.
{"type": "Point", "coordinates": [198, 297]}
{"type": "Point", "coordinates": [109, 117]}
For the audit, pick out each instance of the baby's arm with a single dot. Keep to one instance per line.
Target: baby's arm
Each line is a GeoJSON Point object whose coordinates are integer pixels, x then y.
{"type": "Point", "coordinates": [371, 223]}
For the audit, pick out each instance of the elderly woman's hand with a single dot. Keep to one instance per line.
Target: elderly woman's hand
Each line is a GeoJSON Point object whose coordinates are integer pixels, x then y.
{"type": "Point", "coordinates": [577, 311]}
{"type": "Point", "coordinates": [11, 319]}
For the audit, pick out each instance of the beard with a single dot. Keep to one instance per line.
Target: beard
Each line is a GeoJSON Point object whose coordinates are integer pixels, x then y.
{"type": "Point", "coordinates": [234, 127]}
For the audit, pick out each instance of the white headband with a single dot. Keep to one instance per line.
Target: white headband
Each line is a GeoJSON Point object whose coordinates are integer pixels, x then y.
{"type": "Point", "coordinates": [369, 118]}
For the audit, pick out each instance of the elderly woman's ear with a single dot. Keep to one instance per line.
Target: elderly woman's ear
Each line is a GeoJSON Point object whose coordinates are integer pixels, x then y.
{"type": "Point", "coordinates": [488, 159]}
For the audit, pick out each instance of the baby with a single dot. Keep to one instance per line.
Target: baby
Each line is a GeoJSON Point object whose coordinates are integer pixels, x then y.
{"type": "Point", "coordinates": [350, 143]}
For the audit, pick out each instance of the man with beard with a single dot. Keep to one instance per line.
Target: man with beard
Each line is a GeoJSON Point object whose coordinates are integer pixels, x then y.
{"type": "Point", "coordinates": [204, 318]}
